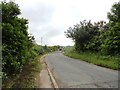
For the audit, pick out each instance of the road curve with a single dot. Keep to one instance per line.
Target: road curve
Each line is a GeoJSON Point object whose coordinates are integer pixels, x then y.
{"type": "Point", "coordinates": [73, 73]}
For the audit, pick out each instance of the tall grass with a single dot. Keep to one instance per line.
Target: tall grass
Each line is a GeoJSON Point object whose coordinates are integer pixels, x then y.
{"type": "Point", "coordinates": [27, 77]}
{"type": "Point", "coordinates": [94, 58]}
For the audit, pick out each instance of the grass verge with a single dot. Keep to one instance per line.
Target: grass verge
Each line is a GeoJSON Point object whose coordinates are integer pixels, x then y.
{"type": "Point", "coordinates": [28, 76]}
{"type": "Point", "coordinates": [95, 58]}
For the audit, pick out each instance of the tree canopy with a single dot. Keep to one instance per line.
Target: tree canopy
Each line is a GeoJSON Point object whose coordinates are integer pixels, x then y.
{"type": "Point", "coordinates": [101, 36]}
{"type": "Point", "coordinates": [16, 41]}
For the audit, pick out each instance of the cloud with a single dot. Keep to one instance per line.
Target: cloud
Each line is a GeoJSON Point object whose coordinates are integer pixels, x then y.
{"type": "Point", "coordinates": [47, 33]}
{"type": "Point", "coordinates": [53, 32]}
{"type": "Point", "coordinates": [40, 14]}
{"type": "Point", "coordinates": [50, 18]}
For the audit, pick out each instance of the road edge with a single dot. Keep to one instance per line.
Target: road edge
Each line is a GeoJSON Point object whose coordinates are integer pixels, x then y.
{"type": "Point", "coordinates": [52, 79]}
{"type": "Point", "coordinates": [55, 85]}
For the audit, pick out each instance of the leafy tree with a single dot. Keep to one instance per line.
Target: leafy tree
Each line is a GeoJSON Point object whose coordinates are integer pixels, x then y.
{"type": "Point", "coordinates": [114, 15]}
{"type": "Point", "coordinates": [16, 42]}
{"type": "Point", "coordinates": [99, 37]}
{"type": "Point", "coordinates": [82, 33]}
{"type": "Point", "coordinates": [111, 43]}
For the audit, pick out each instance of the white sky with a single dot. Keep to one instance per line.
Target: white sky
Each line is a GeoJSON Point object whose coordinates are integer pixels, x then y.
{"type": "Point", "coordinates": [50, 18]}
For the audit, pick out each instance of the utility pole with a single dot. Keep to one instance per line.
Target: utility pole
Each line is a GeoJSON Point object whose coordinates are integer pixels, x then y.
{"type": "Point", "coordinates": [41, 40]}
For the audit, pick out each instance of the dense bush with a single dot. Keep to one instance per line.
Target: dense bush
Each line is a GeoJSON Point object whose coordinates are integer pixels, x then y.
{"type": "Point", "coordinates": [16, 42]}
{"type": "Point", "coordinates": [85, 33]}
{"type": "Point", "coordinates": [111, 43]}
{"type": "Point", "coordinates": [18, 47]}
{"type": "Point", "coordinates": [98, 37]}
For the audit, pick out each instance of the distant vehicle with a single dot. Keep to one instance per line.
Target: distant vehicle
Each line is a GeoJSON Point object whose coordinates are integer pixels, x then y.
{"type": "Point", "coordinates": [60, 49]}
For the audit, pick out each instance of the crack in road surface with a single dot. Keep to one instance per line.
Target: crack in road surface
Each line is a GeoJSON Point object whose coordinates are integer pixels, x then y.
{"type": "Point", "coordinates": [74, 73]}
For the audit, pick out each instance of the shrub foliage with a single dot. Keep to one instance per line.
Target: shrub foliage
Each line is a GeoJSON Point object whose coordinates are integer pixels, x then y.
{"type": "Point", "coordinates": [98, 37]}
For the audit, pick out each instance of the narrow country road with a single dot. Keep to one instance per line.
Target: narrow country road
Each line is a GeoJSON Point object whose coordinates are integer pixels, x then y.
{"type": "Point", "coordinates": [72, 73]}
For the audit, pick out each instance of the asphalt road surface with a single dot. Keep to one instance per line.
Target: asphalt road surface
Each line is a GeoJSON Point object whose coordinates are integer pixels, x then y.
{"type": "Point", "coordinates": [73, 73]}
